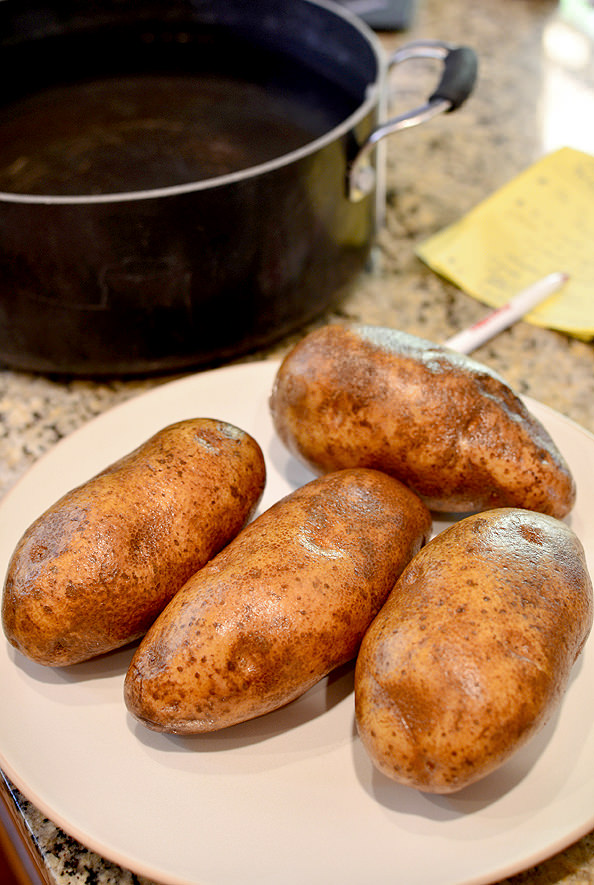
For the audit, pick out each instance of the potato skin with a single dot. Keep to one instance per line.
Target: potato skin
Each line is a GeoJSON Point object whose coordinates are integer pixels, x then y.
{"type": "Point", "coordinates": [473, 649]}
{"type": "Point", "coordinates": [287, 601]}
{"type": "Point", "coordinates": [442, 423]}
{"type": "Point", "coordinates": [94, 571]}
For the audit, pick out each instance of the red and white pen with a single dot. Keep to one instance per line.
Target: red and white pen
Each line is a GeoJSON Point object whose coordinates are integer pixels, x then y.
{"type": "Point", "coordinates": [498, 320]}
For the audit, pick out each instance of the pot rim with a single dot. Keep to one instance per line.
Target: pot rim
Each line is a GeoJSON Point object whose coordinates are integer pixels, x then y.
{"type": "Point", "coordinates": [371, 100]}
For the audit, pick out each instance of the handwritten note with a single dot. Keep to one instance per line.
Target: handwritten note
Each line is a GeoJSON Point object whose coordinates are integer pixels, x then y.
{"type": "Point", "coordinates": [542, 221]}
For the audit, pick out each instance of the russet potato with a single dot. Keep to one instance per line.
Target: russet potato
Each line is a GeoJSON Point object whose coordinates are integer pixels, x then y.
{"type": "Point", "coordinates": [94, 571]}
{"type": "Point", "coordinates": [442, 423]}
{"type": "Point", "coordinates": [286, 602]}
{"type": "Point", "coordinates": [473, 649]}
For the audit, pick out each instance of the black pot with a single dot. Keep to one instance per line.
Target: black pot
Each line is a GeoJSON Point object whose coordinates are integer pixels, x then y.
{"type": "Point", "coordinates": [185, 180]}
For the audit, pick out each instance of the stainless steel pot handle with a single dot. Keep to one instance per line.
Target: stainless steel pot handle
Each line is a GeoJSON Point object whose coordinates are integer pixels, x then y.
{"type": "Point", "coordinates": [456, 84]}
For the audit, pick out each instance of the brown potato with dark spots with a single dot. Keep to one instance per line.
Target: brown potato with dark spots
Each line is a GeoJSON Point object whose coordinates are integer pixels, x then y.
{"type": "Point", "coordinates": [473, 649]}
{"type": "Point", "coordinates": [285, 603]}
{"type": "Point", "coordinates": [94, 571]}
{"type": "Point", "coordinates": [442, 423]}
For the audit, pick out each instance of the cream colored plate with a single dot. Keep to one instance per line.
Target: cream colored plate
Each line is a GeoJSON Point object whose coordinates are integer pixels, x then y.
{"type": "Point", "coordinates": [290, 798]}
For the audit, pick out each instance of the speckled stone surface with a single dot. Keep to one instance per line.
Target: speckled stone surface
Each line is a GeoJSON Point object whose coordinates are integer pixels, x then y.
{"type": "Point", "coordinates": [435, 174]}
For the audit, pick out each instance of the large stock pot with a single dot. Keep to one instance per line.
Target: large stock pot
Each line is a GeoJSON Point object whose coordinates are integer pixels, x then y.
{"type": "Point", "coordinates": [185, 180]}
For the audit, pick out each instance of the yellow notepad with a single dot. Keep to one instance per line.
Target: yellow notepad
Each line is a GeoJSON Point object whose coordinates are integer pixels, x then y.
{"type": "Point", "coordinates": [541, 221]}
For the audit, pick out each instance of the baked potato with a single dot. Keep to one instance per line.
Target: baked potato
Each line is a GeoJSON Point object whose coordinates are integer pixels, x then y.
{"type": "Point", "coordinates": [94, 571]}
{"type": "Point", "coordinates": [442, 423]}
{"type": "Point", "coordinates": [473, 649]}
{"type": "Point", "coordinates": [286, 602]}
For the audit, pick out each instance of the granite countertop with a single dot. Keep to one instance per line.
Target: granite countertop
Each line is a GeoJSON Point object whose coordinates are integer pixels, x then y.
{"type": "Point", "coordinates": [435, 174]}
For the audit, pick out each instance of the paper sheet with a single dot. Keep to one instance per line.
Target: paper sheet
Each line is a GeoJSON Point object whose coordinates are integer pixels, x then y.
{"type": "Point", "coordinates": [542, 221]}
